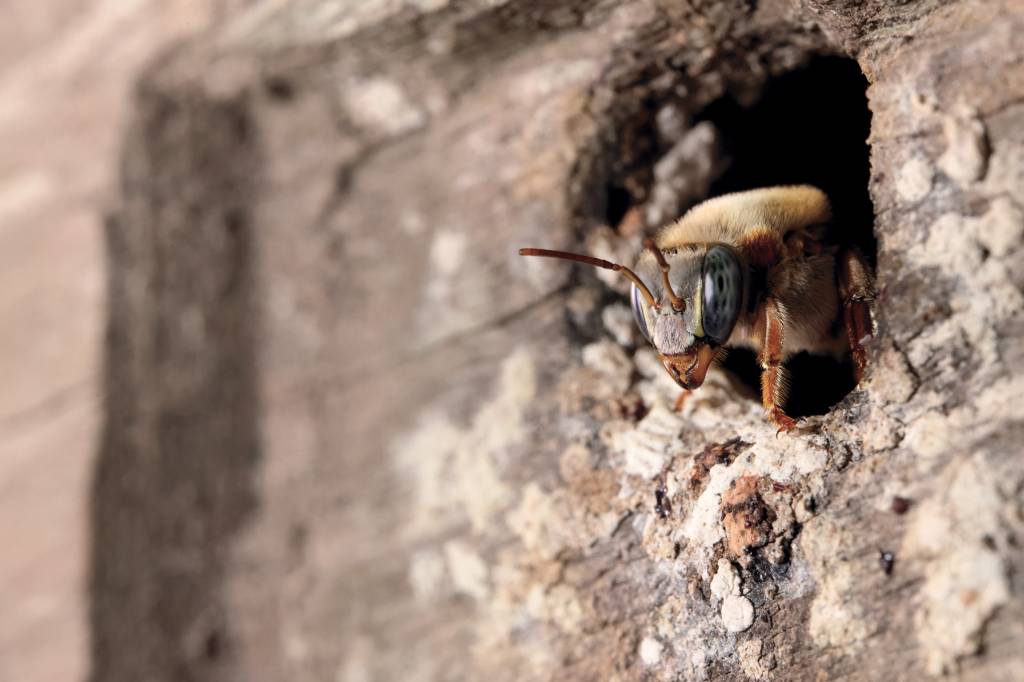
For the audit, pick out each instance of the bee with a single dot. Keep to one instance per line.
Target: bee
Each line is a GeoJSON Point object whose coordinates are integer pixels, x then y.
{"type": "Point", "coordinates": [753, 270]}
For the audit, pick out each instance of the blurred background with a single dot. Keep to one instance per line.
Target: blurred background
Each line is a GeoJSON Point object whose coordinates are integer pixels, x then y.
{"type": "Point", "coordinates": [66, 73]}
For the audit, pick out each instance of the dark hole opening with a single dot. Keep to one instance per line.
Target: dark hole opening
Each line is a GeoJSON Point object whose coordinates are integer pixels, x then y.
{"type": "Point", "coordinates": [619, 201]}
{"type": "Point", "coordinates": [809, 126]}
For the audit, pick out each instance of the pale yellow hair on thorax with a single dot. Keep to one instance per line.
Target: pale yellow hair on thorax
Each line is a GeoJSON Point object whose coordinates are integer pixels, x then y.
{"type": "Point", "coordinates": [726, 218]}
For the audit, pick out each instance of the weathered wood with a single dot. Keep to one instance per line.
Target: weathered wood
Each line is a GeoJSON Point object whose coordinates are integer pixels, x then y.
{"type": "Point", "coordinates": [351, 435]}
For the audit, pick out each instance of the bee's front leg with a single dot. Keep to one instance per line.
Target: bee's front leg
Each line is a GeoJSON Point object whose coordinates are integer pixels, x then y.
{"type": "Point", "coordinates": [858, 292]}
{"type": "Point", "coordinates": [773, 374]}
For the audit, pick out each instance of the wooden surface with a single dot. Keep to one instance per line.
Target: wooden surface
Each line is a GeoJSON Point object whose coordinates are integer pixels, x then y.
{"type": "Point", "coordinates": [350, 435]}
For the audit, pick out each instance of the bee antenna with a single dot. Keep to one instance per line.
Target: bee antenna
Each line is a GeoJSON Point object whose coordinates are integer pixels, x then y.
{"type": "Point", "coordinates": [598, 263]}
{"type": "Point", "coordinates": [677, 303]}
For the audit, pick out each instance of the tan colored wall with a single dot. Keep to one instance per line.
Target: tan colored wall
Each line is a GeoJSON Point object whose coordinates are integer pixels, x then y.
{"type": "Point", "coordinates": [65, 71]}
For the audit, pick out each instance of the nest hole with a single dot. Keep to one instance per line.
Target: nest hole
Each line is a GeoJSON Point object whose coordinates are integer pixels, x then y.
{"type": "Point", "coordinates": [809, 126]}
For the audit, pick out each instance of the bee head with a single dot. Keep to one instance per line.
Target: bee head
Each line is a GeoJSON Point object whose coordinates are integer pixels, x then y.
{"type": "Point", "coordinates": [698, 293]}
{"type": "Point", "coordinates": [689, 310]}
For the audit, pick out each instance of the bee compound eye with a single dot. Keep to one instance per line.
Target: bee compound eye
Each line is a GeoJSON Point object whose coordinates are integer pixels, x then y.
{"type": "Point", "coordinates": [639, 312]}
{"type": "Point", "coordinates": [723, 284]}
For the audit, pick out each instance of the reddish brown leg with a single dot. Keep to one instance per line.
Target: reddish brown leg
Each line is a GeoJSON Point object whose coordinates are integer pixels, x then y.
{"type": "Point", "coordinates": [857, 291]}
{"type": "Point", "coordinates": [773, 374]}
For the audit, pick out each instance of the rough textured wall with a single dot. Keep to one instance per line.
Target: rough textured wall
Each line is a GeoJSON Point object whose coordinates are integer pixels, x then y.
{"type": "Point", "coordinates": [351, 435]}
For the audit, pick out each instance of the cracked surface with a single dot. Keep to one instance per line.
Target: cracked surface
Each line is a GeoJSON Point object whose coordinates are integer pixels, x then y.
{"type": "Point", "coordinates": [467, 474]}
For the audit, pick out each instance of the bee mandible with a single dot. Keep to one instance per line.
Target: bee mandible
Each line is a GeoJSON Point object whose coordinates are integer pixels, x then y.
{"type": "Point", "coordinates": [754, 270]}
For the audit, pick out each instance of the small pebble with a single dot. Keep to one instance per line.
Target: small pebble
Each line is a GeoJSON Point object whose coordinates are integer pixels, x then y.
{"type": "Point", "coordinates": [650, 651]}
{"type": "Point", "coordinates": [737, 613]}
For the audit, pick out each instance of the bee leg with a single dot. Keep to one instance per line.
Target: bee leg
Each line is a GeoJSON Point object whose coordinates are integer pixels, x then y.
{"type": "Point", "coordinates": [858, 292]}
{"type": "Point", "coordinates": [773, 374]}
